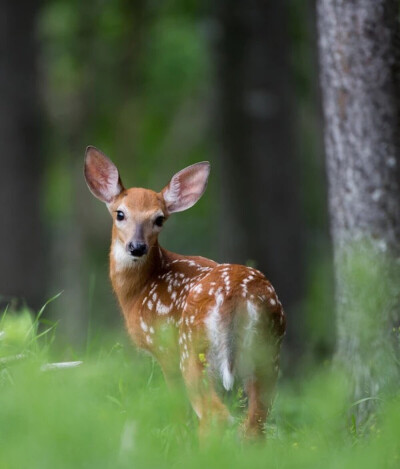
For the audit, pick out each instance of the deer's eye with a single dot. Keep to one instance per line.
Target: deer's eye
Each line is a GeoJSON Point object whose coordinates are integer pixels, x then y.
{"type": "Point", "coordinates": [159, 221]}
{"type": "Point", "coordinates": [120, 215]}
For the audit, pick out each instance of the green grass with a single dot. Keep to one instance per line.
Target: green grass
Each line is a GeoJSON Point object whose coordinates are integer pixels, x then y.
{"type": "Point", "coordinates": [114, 411]}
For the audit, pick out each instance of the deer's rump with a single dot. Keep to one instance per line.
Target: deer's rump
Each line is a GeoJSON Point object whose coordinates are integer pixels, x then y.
{"type": "Point", "coordinates": [239, 325]}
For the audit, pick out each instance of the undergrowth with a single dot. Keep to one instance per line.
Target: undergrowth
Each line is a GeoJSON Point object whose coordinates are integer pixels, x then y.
{"type": "Point", "coordinates": [113, 410]}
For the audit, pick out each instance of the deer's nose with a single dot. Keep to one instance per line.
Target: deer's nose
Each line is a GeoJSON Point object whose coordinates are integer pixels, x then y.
{"type": "Point", "coordinates": [137, 249]}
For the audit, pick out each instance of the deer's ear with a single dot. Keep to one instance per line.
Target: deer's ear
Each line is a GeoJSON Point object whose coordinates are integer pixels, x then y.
{"type": "Point", "coordinates": [101, 175]}
{"type": "Point", "coordinates": [186, 187]}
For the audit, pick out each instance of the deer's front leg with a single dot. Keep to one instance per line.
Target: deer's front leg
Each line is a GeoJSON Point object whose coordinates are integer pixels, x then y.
{"type": "Point", "coordinates": [167, 357]}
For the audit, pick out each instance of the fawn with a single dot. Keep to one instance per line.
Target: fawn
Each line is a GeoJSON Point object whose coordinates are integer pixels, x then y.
{"type": "Point", "coordinates": [226, 320]}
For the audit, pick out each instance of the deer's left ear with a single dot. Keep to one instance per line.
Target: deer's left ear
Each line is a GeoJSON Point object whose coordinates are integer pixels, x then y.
{"type": "Point", "coordinates": [186, 187]}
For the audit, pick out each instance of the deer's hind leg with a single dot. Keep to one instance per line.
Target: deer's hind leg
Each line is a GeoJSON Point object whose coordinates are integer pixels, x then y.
{"type": "Point", "coordinates": [260, 376]}
{"type": "Point", "coordinates": [260, 395]}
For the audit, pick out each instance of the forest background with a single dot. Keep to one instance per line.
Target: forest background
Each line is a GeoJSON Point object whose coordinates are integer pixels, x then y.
{"type": "Point", "coordinates": [158, 86]}
{"type": "Point", "coordinates": [296, 105]}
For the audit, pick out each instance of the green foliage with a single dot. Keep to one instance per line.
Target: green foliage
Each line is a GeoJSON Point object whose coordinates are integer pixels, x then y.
{"type": "Point", "coordinates": [367, 294]}
{"type": "Point", "coordinates": [115, 411]}
{"type": "Point", "coordinates": [132, 78]}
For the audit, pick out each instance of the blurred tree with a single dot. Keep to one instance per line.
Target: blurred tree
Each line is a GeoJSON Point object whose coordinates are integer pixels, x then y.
{"type": "Point", "coordinates": [359, 55]}
{"type": "Point", "coordinates": [90, 69]}
{"type": "Point", "coordinates": [130, 78]}
{"type": "Point", "coordinates": [23, 264]}
{"type": "Point", "coordinates": [260, 217]}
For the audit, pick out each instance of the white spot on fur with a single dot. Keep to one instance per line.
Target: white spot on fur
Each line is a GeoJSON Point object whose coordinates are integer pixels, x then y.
{"type": "Point", "coordinates": [143, 325]}
{"type": "Point", "coordinates": [162, 309]}
{"type": "Point", "coordinates": [220, 342]}
{"type": "Point", "coordinates": [252, 310]}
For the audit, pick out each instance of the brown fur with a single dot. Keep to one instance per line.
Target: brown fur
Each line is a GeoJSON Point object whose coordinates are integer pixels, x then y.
{"type": "Point", "coordinates": [188, 311]}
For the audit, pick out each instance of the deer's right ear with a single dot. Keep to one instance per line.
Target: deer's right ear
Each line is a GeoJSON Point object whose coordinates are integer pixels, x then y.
{"type": "Point", "coordinates": [101, 175]}
{"type": "Point", "coordinates": [186, 187]}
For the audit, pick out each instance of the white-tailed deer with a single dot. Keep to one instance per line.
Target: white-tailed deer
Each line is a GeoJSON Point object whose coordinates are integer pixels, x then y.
{"type": "Point", "coordinates": [226, 320]}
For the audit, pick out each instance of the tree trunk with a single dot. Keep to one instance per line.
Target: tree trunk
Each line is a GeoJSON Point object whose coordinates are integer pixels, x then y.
{"type": "Point", "coordinates": [22, 265]}
{"type": "Point", "coordinates": [359, 58]}
{"type": "Point", "coordinates": [260, 216]}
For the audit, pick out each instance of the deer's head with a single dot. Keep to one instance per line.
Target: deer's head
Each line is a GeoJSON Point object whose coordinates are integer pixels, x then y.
{"type": "Point", "coordinates": [139, 214]}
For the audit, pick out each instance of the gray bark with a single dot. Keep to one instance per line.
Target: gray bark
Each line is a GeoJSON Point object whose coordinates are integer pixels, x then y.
{"type": "Point", "coordinates": [260, 216]}
{"type": "Point", "coordinates": [22, 262]}
{"type": "Point", "coordinates": [359, 59]}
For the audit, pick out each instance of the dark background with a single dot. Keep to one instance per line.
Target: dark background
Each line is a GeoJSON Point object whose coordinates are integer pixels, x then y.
{"type": "Point", "coordinates": [158, 85]}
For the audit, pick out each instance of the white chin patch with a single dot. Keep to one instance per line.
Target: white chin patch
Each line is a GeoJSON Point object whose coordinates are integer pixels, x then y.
{"type": "Point", "coordinates": [123, 260]}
